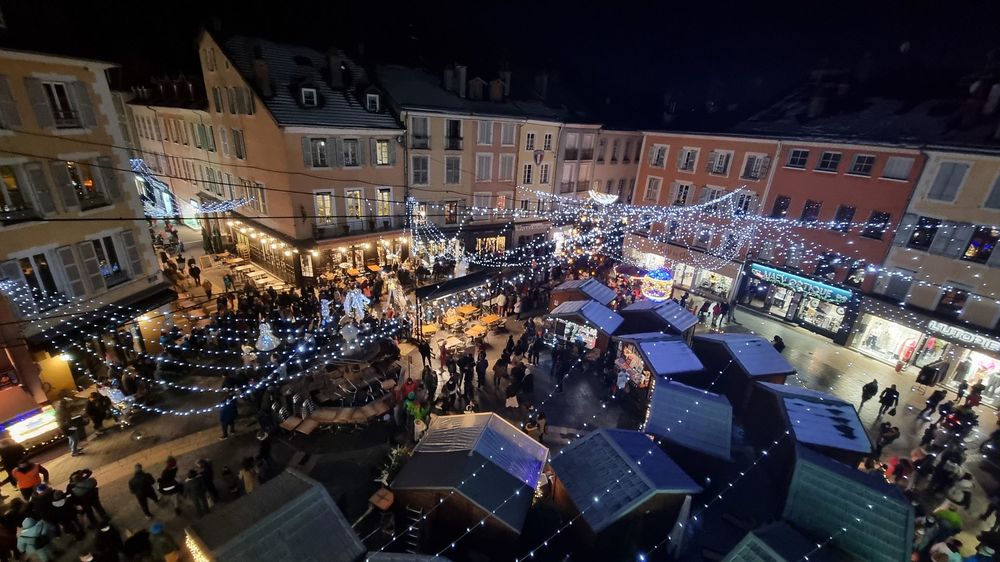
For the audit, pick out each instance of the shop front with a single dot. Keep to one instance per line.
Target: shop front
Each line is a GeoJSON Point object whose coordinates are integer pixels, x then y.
{"type": "Point", "coordinates": [533, 234]}
{"type": "Point", "coordinates": [715, 284]}
{"type": "Point", "coordinates": [917, 343]}
{"type": "Point", "coordinates": [267, 249]}
{"type": "Point", "coordinates": [828, 310]}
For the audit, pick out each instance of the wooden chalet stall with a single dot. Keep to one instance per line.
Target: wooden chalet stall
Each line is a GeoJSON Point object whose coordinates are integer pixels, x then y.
{"type": "Point", "coordinates": [581, 290]}
{"type": "Point", "coordinates": [586, 321]}
{"type": "Point", "coordinates": [734, 361]}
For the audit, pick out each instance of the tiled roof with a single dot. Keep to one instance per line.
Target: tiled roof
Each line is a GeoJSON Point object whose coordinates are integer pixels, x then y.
{"type": "Point", "coordinates": [754, 354]}
{"type": "Point", "coordinates": [692, 418]}
{"type": "Point", "coordinates": [821, 419]}
{"type": "Point", "coordinates": [675, 316]}
{"type": "Point", "coordinates": [596, 314]}
{"type": "Point", "coordinates": [290, 67]}
{"type": "Point", "coordinates": [590, 287]}
{"type": "Point", "coordinates": [627, 462]}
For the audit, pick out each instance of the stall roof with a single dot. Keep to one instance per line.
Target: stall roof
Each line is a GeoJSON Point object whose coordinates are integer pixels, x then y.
{"type": "Point", "coordinates": [778, 542]}
{"type": "Point", "coordinates": [505, 458]}
{"type": "Point", "coordinates": [16, 402]}
{"type": "Point", "coordinates": [594, 313]}
{"type": "Point", "coordinates": [755, 355]}
{"type": "Point", "coordinates": [826, 496]}
{"type": "Point", "coordinates": [673, 314]}
{"type": "Point", "coordinates": [665, 354]}
{"type": "Point", "coordinates": [590, 287]}
{"type": "Point", "coordinates": [692, 418]}
{"type": "Point", "coordinates": [821, 419]}
{"type": "Point", "coordinates": [629, 462]}
{"type": "Point", "coordinates": [452, 286]}
{"type": "Point", "coordinates": [288, 518]}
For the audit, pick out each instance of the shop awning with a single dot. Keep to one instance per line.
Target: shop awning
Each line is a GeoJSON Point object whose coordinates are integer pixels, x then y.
{"type": "Point", "coordinates": [593, 313]}
{"type": "Point", "coordinates": [14, 402]}
{"type": "Point", "coordinates": [452, 286]}
{"type": "Point", "coordinates": [103, 318]}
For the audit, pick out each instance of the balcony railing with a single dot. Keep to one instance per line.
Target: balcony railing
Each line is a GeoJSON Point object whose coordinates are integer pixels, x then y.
{"type": "Point", "coordinates": [11, 215]}
{"type": "Point", "coordinates": [112, 278]}
{"type": "Point", "coordinates": [66, 120]}
{"type": "Point", "coordinates": [91, 199]}
{"type": "Point", "coordinates": [582, 186]}
{"type": "Point", "coordinates": [453, 143]}
{"type": "Point", "coordinates": [420, 142]}
{"type": "Point", "coordinates": [571, 154]}
{"type": "Point", "coordinates": [357, 226]}
{"type": "Point", "coordinates": [566, 187]}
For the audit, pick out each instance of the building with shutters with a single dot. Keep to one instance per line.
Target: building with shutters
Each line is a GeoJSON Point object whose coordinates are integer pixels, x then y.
{"type": "Point", "coordinates": [69, 250]}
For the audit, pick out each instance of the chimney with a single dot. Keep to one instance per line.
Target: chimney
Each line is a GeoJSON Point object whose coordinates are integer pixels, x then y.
{"type": "Point", "coordinates": [336, 60]}
{"type": "Point", "coordinates": [476, 88]}
{"type": "Point", "coordinates": [261, 74]}
{"type": "Point", "coordinates": [505, 76]}
{"type": "Point", "coordinates": [496, 90]}
{"type": "Point", "coordinates": [542, 85]}
{"type": "Point", "coordinates": [449, 78]}
{"type": "Point", "coordinates": [460, 83]}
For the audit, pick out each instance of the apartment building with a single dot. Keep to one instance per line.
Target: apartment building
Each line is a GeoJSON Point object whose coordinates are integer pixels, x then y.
{"type": "Point", "coordinates": [681, 170]}
{"type": "Point", "coordinates": [75, 273]}
{"type": "Point", "coordinates": [616, 163]}
{"type": "Point", "coordinates": [538, 150]}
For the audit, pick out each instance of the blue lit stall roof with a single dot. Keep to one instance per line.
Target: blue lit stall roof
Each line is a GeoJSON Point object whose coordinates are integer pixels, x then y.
{"type": "Point", "coordinates": [755, 355]}
{"type": "Point", "coordinates": [691, 417]}
{"type": "Point", "coordinates": [672, 315]}
{"type": "Point", "coordinates": [820, 419]}
{"type": "Point", "coordinates": [593, 313]}
{"type": "Point", "coordinates": [593, 289]}
{"type": "Point", "coordinates": [665, 355]}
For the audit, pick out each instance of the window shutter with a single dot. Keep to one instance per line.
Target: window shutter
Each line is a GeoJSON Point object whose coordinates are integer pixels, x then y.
{"type": "Point", "coordinates": [362, 153]}
{"type": "Point", "coordinates": [704, 195]}
{"type": "Point", "coordinates": [954, 181]}
{"type": "Point", "coordinates": [39, 103]}
{"type": "Point", "coordinates": [40, 187]}
{"type": "Point", "coordinates": [673, 195]}
{"type": "Point", "coordinates": [9, 117]}
{"type": "Point", "coordinates": [19, 294]}
{"type": "Point", "coordinates": [652, 155]}
{"type": "Point", "coordinates": [63, 184]}
{"type": "Point", "coordinates": [71, 268]}
{"type": "Point", "coordinates": [132, 253]}
{"type": "Point", "coordinates": [331, 152]}
{"type": "Point", "coordinates": [84, 108]}
{"type": "Point", "coordinates": [680, 159]}
{"type": "Point", "coordinates": [392, 152]}
{"type": "Point", "coordinates": [91, 266]}
{"type": "Point", "coordinates": [905, 229]}
{"type": "Point", "coordinates": [338, 145]}
{"type": "Point", "coordinates": [942, 238]}
{"type": "Point", "coordinates": [373, 151]}
{"type": "Point", "coordinates": [109, 177]}
{"type": "Point", "coordinates": [306, 152]}
{"type": "Point", "coordinates": [712, 158]}
{"type": "Point", "coordinates": [765, 165]}
{"type": "Point", "coordinates": [960, 240]}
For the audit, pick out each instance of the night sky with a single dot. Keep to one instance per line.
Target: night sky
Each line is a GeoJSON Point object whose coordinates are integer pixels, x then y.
{"type": "Point", "coordinates": [618, 56]}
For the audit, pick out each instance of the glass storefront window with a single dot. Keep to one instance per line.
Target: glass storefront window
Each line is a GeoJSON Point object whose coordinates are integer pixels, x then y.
{"type": "Point", "coordinates": [824, 315]}
{"type": "Point", "coordinates": [885, 340]}
{"type": "Point", "coordinates": [711, 282]}
{"type": "Point", "coordinates": [975, 367]}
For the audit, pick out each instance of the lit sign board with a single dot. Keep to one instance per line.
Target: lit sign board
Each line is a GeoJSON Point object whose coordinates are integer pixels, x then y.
{"type": "Point", "coordinates": [809, 287]}
{"type": "Point", "coordinates": [964, 336]}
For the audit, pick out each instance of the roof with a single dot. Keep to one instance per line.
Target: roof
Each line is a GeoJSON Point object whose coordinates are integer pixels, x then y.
{"type": "Point", "coordinates": [594, 313]}
{"type": "Point", "coordinates": [821, 419]}
{"type": "Point", "coordinates": [481, 456]}
{"type": "Point", "coordinates": [675, 316]}
{"type": "Point", "coordinates": [691, 417]}
{"type": "Point", "coordinates": [451, 286]}
{"type": "Point", "coordinates": [755, 355]}
{"type": "Point", "coordinates": [403, 557]}
{"type": "Point", "coordinates": [664, 354]}
{"type": "Point", "coordinates": [291, 67]}
{"type": "Point", "coordinates": [590, 287]}
{"type": "Point", "coordinates": [826, 496]}
{"type": "Point", "coordinates": [289, 518]}
{"type": "Point", "coordinates": [628, 463]}
{"type": "Point", "coordinates": [777, 542]}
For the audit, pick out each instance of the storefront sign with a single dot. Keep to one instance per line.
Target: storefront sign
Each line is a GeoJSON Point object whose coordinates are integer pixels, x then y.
{"type": "Point", "coordinates": [964, 336]}
{"type": "Point", "coordinates": [800, 284]}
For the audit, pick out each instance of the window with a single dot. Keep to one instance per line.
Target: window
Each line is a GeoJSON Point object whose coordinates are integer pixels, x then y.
{"type": "Point", "coordinates": [570, 150]}
{"type": "Point", "coordinates": [923, 234]}
{"type": "Point", "coordinates": [484, 167]}
{"type": "Point", "coordinates": [547, 141]}
{"type": "Point", "coordinates": [309, 97]}
{"type": "Point", "coordinates": [453, 134]}
{"type": "Point", "coordinates": [451, 212]}
{"type": "Point", "coordinates": [862, 164]}
{"type": "Point", "coordinates": [602, 146]}
{"type": "Point", "coordinates": [898, 168]}
{"type": "Point", "coordinates": [452, 169]}
{"type": "Point", "coordinates": [508, 134]}
{"type": "Point", "coordinates": [211, 138]}
{"type": "Point", "coordinates": [373, 103]}
{"type": "Point", "coordinates": [780, 209]}
{"type": "Point", "coordinates": [505, 200]}
{"type": "Point", "coordinates": [318, 153]}
{"type": "Point", "coordinates": [797, 158]}
{"type": "Point", "coordinates": [756, 166]}
{"type": "Point", "coordinates": [638, 150]}
{"type": "Point", "coordinates": [15, 203]}
{"type": "Point", "coordinates": [587, 147]}
{"type": "Point", "coordinates": [382, 153]}
{"type": "Point", "coordinates": [718, 163]}
{"type": "Point", "coordinates": [482, 200]}
{"type": "Point", "coordinates": [615, 148]}
{"type": "Point", "coordinates": [351, 157]}
{"type": "Point", "coordinates": [842, 220]}
{"type": "Point", "coordinates": [856, 274]}
{"type": "Point", "coordinates": [419, 133]}
{"type": "Point", "coordinates": [217, 98]}
{"type": "Point", "coordinates": [980, 248]}
{"type": "Point", "coordinates": [652, 194]}
{"type": "Point", "coordinates": [324, 207]}
{"type": "Point", "coordinates": [41, 282]}
{"type": "Point", "coordinates": [225, 140]}
{"type": "Point", "coordinates": [529, 141]}
{"type": "Point", "coordinates": [484, 132]}
{"type": "Point", "coordinates": [829, 162]}
{"type": "Point", "coordinates": [85, 184]}
{"type": "Point", "coordinates": [947, 181]}
{"type": "Point", "coordinates": [745, 202]}
{"type": "Point", "coordinates": [107, 259]}
{"type": "Point", "coordinates": [626, 157]}
{"type": "Point", "coordinates": [686, 159]}
{"type": "Point", "coordinates": [682, 194]}
{"type": "Point", "coordinates": [827, 265]}
{"type": "Point", "coordinates": [877, 225]}
{"type": "Point", "coordinates": [621, 187]}
{"type": "Point", "coordinates": [953, 298]}
{"type": "Point", "coordinates": [658, 156]}
{"type": "Point", "coordinates": [239, 146]}
{"type": "Point", "coordinates": [506, 167]}
{"type": "Point", "coordinates": [353, 206]}
{"type": "Point", "coordinates": [993, 199]}
{"type": "Point", "coordinates": [231, 94]}
{"type": "Point", "coordinates": [810, 211]}
{"type": "Point", "coordinates": [58, 96]}
{"type": "Point", "coordinates": [383, 202]}
{"type": "Point", "coordinates": [526, 176]}
{"type": "Point", "coordinates": [419, 170]}
{"type": "Point", "coordinates": [543, 174]}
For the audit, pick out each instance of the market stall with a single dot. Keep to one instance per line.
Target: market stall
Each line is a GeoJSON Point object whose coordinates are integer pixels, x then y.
{"type": "Point", "coordinates": [581, 289]}
{"type": "Point", "coordinates": [26, 422]}
{"type": "Point", "coordinates": [457, 310]}
{"type": "Point", "coordinates": [644, 359]}
{"type": "Point", "coordinates": [733, 362]}
{"type": "Point", "coordinates": [651, 316]}
{"type": "Point", "coordinates": [588, 322]}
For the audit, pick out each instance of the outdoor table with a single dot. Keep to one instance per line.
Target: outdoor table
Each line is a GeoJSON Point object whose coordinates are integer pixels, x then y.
{"type": "Point", "coordinates": [451, 320]}
{"type": "Point", "coordinates": [467, 309]}
{"type": "Point", "coordinates": [428, 329]}
{"type": "Point", "coordinates": [244, 267]}
{"type": "Point", "coordinates": [490, 319]}
{"type": "Point", "coordinates": [328, 276]}
{"type": "Point", "coordinates": [353, 272]}
{"type": "Point", "coordinates": [453, 341]}
{"type": "Point", "coordinates": [476, 331]}
{"type": "Point", "coordinates": [374, 268]}
{"type": "Point", "coordinates": [260, 282]}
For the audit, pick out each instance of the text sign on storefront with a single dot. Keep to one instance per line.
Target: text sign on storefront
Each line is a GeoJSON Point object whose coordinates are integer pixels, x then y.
{"type": "Point", "coordinates": [800, 284]}
{"type": "Point", "coordinates": [964, 336]}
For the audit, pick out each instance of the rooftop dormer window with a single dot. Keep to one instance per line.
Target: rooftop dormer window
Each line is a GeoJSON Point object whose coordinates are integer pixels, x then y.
{"type": "Point", "coordinates": [309, 97]}
{"type": "Point", "coordinates": [372, 102]}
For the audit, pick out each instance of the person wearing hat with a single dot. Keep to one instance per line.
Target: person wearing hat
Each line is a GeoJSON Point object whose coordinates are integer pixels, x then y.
{"type": "Point", "coordinates": [27, 475]}
{"type": "Point", "coordinates": [141, 486]}
{"type": "Point", "coordinates": [163, 547]}
{"type": "Point", "coordinates": [35, 538]}
{"type": "Point", "coordinates": [63, 514]}
{"type": "Point", "coordinates": [85, 494]}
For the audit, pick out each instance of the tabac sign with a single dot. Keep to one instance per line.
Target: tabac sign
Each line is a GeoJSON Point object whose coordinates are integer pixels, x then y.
{"type": "Point", "coordinates": [798, 284]}
{"type": "Point", "coordinates": [964, 336]}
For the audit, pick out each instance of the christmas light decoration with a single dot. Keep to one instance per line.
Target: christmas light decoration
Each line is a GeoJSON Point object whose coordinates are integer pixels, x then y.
{"type": "Point", "coordinates": [658, 285]}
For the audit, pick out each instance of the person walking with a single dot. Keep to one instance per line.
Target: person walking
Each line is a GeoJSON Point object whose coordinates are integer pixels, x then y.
{"type": "Point", "coordinates": [207, 285]}
{"type": "Point", "coordinates": [141, 486]}
{"type": "Point", "coordinates": [888, 399]}
{"type": "Point", "coordinates": [425, 352]}
{"type": "Point", "coordinates": [930, 406]}
{"type": "Point", "coordinates": [868, 391]}
{"type": "Point", "coordinates": [86, 496]}
{"type": "Point", "coordinates": [962, 387]}
{"type": "Point", "coordinates": [778, 344]}
{"type": "Point", "coordinates": [195, 272]}
{"type": "Point", "coordinates": [536, 350]}
{"type": "Point", "coordinates": [481, 367]}
{"type": "Point", "coordinates": [196, 492]}
{"type": "Point", "coordinates": [26, 476]}
{"type": "Point", "coordinates": [70, 426]}
{"type": "Point", "coordinates": [97, 411]}
{"type": "Point", "coordinates": [227, 417]}
{"type": "Point", "coordinates": [169, 487]}
{"type": "Point", "coordinates": [207, 471]}
{"type": "Point", "coordinates": [35, 539]}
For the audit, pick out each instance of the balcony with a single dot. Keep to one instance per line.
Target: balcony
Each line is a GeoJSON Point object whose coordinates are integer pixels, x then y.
{"type": "Point", "coordinates": [587, 154]}
{"type": "Point", "coordinates": [571, 154]}
{"type": "Point", "coordinates": [66, 120]}
{"type": "Point", "coordinates": [420, 141]}
{"type": "Point", "coordinates": [91, 199]}
{"type": "Point", "coordinates": [358, 226]}
{"type": "Point", "coordinates": [113, 277]}
{"type": "Point", "coordinates": [15, 215]}
{"type": "Point", "coordinates": [566, 187]}
{"type": "Point", "coordinates": [582, 186]}
{"type": "Point", "coordinates": [452, 143]}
